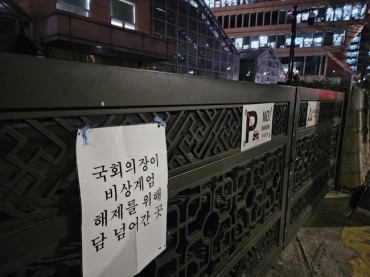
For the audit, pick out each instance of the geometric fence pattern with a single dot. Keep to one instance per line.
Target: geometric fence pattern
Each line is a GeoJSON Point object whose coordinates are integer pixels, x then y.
{"type": "Point", "coordinates": [314, 162]}
{"type": "Point", "coordinates": [235, 215]}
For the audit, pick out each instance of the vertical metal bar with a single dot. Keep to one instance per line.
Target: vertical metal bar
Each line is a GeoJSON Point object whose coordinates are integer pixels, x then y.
{"type": "Point", "coordinates": [292, 44]}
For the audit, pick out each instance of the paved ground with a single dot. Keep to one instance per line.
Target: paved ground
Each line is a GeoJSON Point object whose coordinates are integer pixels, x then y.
{"type": "Point", "coordinates": [334, 242]}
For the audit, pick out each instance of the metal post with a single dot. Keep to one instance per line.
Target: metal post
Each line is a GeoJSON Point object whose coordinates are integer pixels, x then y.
{"type": "Point", "coordinates": [292, 44]}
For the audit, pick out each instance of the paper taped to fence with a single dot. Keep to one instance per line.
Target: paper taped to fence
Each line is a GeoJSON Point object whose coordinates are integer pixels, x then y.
{"type": "Point", "coordinates": [312, 118]}
{"type": "Point", "coordinates": [256, 124]}
{"type": "Point", "coordinates": [123, 179]}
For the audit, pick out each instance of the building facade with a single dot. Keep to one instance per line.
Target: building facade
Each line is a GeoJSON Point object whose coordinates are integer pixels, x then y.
{"type": "Point", "coordinates": [201, 47]}
{"type": "Point", "coordinates": [261, 66]}
{"type": "Point", "coordinates": [330, 45]}
{"type": "Point", "coordinates": [174, 36]}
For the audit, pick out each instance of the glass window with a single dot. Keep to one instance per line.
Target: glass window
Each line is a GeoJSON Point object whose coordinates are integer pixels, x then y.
{"type": "Point", "coordinates": [322, 68]}
{"type": "Point", "coordinates": [298, 65]}
{"type": "Point", "coordinates": [253, 20]}
{"type": "Point", "coordinates": [226, 22]}
{"type": "Point", "coordinates": [288, 17]}
{"type": "Point", "coordinates": [307, 39]}
{"type": "Point", "coordinates": [338, 14]}
{"type": "Point", "coordinates": [328, 38]}
{"type": "Point", "coordinates": [280, 42]}
{"type": "Point", "coordinates": [246, 20]}
{"type": "Point", "coordinates": [312, 66]}
{"type": "Point", "coordinates": [329, 14]}
{"type": "Point", "coordinates": [232, 21]}
{"type": "Point", "coordinates": [338, 38]}
{"type": "Point", "coordinates": [238, 43]}
{"type": "Point", "coordinates": [260, 19]}
{"type": "Point", "coordinates": [239, 20]}
{"type": "Point", "coordinates": [285, 62]}
{"type": "Point", "coordinates": [159, 27]}
{"type": "Point", "coordinates": [363, 11]}
{"type": "Point", "coordinates": [219, 18]}
{"type": "Point", "coordinates": [347, 11]}
{"type": "Point", "coordinates": [246, 42]}
{"type": "Point", "coordinates": [298, 40]}
{"type": "Point", "coordinates": [123, 14]}
{"type": "Point", "coordinates": [352, 54]}
{"type": "Point", "coordinates": [202, 47]}
{"type": "Point", "coordinates": [288, 40]}
{"type": "Point", "coordinates": [274, 17]}
{"type": "Point", "coordinates": [80, 7]}
{"type": "Point", "coordinates": [282, 16]}
{"type": "Point", "coordinates": [263, 41]}
{"type": "Point", "coordinates": [321, 14]}
{"type": "Point", "coordinates": [255, 42]}
{"type": "Point", "coordinates": [272, 41]}
{"type": "Point", "coordinates": [267, 18]}
{"type": "Point", "coordinates": [356, 11]}
{"type": "Point", "coordinates": [305, 16]}
{"type": "Point", "coordinates": [317, 40]}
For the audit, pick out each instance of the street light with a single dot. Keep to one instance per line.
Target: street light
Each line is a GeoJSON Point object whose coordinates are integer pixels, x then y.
{"type": "Point", "coordinates": [310, 22]}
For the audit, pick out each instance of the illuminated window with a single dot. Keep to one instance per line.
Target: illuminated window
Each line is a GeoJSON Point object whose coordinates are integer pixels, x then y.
{"type": "Point", "coordinates": [363, 11]}
{"type": "Point", "coordinates": [347, 11]}
{"type": "Point", "coordinates": [338, 14]}
{"type": "Point", "coordinates": [263, 41]}
{"type": "Point", "coordinates": [308, 40]}
{"type": "Point", "coordinates": [238, 43]}
{"type": "Point", "coordinates": [338, 38]}
{"type": "Point", "coordinates": [80, 7]}
{"type": "Point", "coordinates": [356, 11]}
{"type": "Point", "coordinates": [299, 40]}
{"type": "Point", "coordinates": [288, 40]}
{"type": "Point", "coordinates": [255, 42]}
{"type": "Point", "coordinates": [123, 14]}
{"type": "Point", "coordinates": [329, 14]}
{"type": "Point", "coordinates": [317, 41]}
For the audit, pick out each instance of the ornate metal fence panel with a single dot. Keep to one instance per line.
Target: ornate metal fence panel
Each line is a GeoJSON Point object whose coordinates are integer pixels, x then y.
{"type": "Point", "coordinates": [226, 208]}
{"type": "Point", "coordinates": [314, 155]}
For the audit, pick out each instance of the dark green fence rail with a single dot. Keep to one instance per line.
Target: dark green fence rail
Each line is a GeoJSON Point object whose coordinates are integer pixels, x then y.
{"type": "Point", "coordinates": [227, 210]}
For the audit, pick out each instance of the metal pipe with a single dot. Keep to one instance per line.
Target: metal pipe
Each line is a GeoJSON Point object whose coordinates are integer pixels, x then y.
{"type": "Point", "coordinates": [292, 44]}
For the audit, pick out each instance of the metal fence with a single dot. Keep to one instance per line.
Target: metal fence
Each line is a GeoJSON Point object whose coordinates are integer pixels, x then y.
{"type": "Point", "coordinates": [229, 212]}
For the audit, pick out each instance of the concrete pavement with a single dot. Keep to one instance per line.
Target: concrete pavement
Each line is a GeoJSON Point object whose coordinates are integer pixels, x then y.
{"type": "Point", "coordinates": [334, 242]}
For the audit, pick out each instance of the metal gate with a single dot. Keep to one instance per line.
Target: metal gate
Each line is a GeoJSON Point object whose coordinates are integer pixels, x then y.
{"type": "Point", "coordinates": [229, 212]}
{"type": "Point", "coordinates": [314, 155]}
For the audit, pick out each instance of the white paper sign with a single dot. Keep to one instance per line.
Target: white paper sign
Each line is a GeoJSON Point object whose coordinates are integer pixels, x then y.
{"type": "Point", "coordinates": [256, 124]}
{"type": "Point", "coordinates": [123, 179]}
{"type": "Point", "coordinates": [312, 113]}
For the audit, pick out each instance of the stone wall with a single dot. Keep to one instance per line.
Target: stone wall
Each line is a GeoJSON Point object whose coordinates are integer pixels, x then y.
{"type": "Point", "coordinates": [356, 147]}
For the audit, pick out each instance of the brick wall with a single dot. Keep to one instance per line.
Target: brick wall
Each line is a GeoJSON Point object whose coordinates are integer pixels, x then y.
{"type": "Point", "coordinates": [100, 11]}
{"type": "Point", "coordinates": [37, 8]}
{"type": "Point", "coordinates": [143, 15]}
